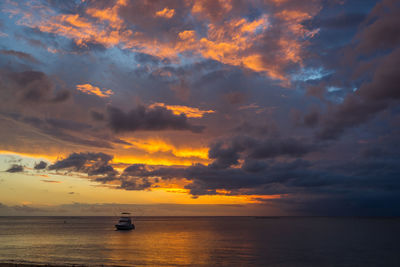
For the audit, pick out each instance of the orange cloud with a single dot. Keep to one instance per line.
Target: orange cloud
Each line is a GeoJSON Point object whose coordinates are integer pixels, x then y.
{"type": "Point", "coordinates": [165, 13]}
{"type": "Point", "coordinates": [204, 9]}
{"type": "Point", "coordinates": [187, 35]}
{"type": "Point", "coordinates": [108, 14]}
{"type": "Point", "coordinates": [93, 90]}
{"type": "Point", "coordinates": [230, 41]}
{"type": "Point", "coordinates": [190, 112]}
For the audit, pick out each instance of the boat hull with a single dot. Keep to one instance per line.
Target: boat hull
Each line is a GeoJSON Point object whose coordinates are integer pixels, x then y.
{"type": "Point", "coordinates": [124, 227]}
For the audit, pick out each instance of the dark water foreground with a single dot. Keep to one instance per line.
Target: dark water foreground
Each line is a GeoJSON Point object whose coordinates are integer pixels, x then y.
{"type": "Point", "coordinates": [207, 241]}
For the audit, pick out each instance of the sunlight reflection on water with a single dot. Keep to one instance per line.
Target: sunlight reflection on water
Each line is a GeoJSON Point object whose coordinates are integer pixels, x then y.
{"type": "Point", "coordinates": [203, 241]}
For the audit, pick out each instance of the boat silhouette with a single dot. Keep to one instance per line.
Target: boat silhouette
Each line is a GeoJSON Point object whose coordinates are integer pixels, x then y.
{"type": "Point", "coordinates": [125, 222]}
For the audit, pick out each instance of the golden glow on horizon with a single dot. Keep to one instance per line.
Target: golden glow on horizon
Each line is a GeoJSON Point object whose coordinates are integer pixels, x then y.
{"type": "Point", "coordinates": [64, 188]}
{"type": "Point", "coordinates": [29, 155]}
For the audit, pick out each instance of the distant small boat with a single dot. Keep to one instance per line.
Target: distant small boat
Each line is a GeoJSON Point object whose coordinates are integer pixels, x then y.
{"type": "Point", "coordinates": [125, 222]}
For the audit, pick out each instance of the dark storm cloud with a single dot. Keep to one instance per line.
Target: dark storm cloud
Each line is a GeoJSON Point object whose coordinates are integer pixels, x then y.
{"type": "Point", "coordinates": [32, 87]}
{"type": "Point", "coordinates": [41, 165]}
{"type": "Point", "coordinates": [98, 167]}
{"type": "Point", "coordinates": [285, 147]}
{"type": "Point", "coordinates": [371, 98]}
{"type": "Point", "coordinates": [208, 179]}
{"type": "Point", "coordinates": [228, 153]}
{"type": "Point", "coordinates": [154, 119]}
{"type": "Point", "coordinates": [374, 59]}
{"type": "Point", "coordinates": [136, 177]}
{"type": "Point", "coordinates": [144, 170]}
{"type": "Point", "coordinates": [135, 184]}
{"type": "Point", "coordinates": [292, 177]}
{"type": "Point", "coordinates": [372, 175]}
{"type": "Point", "coordinates": [224, 157]}
{"type": "Point", "coordinates": [343, 21]}
{"type": "Point", "coordinates": [311, 119]}
{"type": "Point", "coordinates": [137, 170]}
{"type": "Point", "coordinates": [254, 172]}
{"type": "Point", "coordinates": [90, 163]}
{"type": "Point", "coordinates": [258, 129]}
{"type": "Point", "coordinates": [253, 166]}
{"type": "Point", "coordinates": [97, 116]}
{"type": "Point", "coordinates": [20, 55]}
{"type": "Point", "coordinates": [383, 30]}
{"type": "Point", "coordinates": [310, 184]}
{"type": "Point", "coordinates": [61, 96]}
{"type": "Point", "coordinates": [15, 168]}
{"type": "Point", "coordinates": [252, 179]}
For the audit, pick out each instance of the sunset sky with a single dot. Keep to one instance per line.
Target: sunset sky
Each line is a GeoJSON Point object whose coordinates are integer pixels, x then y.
{"type": "Point", "coordinates": [200, 107]}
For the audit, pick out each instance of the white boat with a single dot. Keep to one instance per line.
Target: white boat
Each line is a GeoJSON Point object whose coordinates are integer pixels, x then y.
{"type": "Point", "coordinates": [125, 222]}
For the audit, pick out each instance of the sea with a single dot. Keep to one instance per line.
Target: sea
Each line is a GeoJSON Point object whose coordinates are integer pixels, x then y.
{"type": "Point", "coordinates": [202, 241]}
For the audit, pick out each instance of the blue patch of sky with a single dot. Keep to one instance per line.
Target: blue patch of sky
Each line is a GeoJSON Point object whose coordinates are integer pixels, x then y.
{"type": "Point", "coordinates": [17, 40]}
{"type": "Point", "coordinates": [122, 57]}
{"type": "Point", "coordinates": [11, 43]}
{"type": "Point", "coordinates": [311, 74]}
{"type": "Point", "coordinates": [335, 94]}
{"type": "Point", "coordinates": [332, 89]}
{"type": "Point", "coordinates": [338, 24]}
{"type": "Point", "coordinates": [254, 14]}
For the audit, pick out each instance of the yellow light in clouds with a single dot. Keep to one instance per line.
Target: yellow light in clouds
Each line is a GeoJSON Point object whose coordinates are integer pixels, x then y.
{"type": "Point", "coordinates": [190, 112]}
{"type": "Point", "coordinates": [94, 90]}
{"type": "Point", "coordinates": [151, 160]}
{"type": "Point", "coordinates": [182, 196]}
{"type": "Point", "coordinates": [158, 145]}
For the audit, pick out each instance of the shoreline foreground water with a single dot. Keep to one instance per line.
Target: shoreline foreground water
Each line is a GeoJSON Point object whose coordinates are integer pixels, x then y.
{"type": "Point", "coordinates": [201, 241]}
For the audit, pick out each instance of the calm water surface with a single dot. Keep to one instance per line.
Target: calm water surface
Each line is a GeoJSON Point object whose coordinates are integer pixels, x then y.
{"type": "Point", "coordinates": [207, 241]}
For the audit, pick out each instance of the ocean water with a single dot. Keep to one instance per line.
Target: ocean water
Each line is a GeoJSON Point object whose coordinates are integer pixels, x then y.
{"type": "Point", "coordinates": [202, 241]}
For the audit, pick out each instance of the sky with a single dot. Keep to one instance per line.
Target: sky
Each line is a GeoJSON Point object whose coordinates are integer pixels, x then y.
{"type": "Point", "coordinates": [200, 107]}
